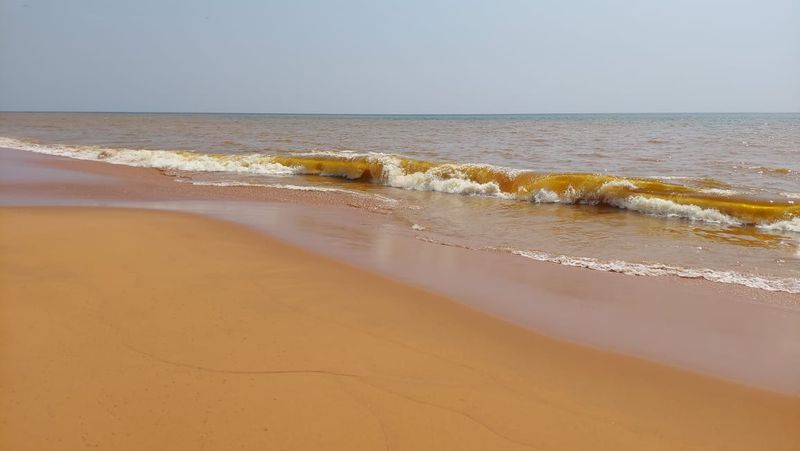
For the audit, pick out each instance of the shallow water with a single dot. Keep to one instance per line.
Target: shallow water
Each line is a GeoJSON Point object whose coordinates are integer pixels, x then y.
{"type": "Point", "coordinates": [698, 195]}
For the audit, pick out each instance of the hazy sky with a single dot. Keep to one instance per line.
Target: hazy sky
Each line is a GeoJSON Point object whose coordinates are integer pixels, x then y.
{"type": "Point", "coordinates": [404, 56]}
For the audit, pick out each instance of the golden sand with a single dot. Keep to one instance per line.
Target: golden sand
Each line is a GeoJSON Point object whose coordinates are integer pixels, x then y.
{"type": "Point", "coordinates": [130, 329]}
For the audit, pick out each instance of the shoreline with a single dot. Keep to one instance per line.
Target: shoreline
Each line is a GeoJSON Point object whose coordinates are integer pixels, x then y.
{"type": "Point", "coordinates": [678, 322]}
{"type": "Point", "coordinates": [208, 333]}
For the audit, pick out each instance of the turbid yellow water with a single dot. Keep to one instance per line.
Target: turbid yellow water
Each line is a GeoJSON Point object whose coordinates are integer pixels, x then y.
{"type": "Point", "coordinates": [711, 196]}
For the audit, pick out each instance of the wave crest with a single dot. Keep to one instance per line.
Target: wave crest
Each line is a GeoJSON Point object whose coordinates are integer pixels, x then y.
{"type": "Point", "coordinates": [649, 196]}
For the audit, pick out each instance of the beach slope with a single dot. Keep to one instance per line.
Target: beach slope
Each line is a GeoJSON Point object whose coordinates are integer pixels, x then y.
{"type": "Point", "coordinates": [133, 329]}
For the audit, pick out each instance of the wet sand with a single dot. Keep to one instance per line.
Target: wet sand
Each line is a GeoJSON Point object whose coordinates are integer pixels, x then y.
{"type": "Point", "coordinates": [740, 334]}
{"type": "Point", "coordinates": [133, 329]}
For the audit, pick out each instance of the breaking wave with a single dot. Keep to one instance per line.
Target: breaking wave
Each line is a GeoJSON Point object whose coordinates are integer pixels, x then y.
{"type": "Point", "coordinates": [644, 195]}
{"type": "Point", "coordinates": [792, 225]}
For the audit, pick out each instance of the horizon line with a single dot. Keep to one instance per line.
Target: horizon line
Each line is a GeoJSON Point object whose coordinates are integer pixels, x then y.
{"type": "Point", "coordinates": [389, 114]}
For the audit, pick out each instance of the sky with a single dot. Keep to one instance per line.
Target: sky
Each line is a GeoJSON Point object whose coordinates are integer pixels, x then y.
{"type": "Point", "coordinates": [404, 57]}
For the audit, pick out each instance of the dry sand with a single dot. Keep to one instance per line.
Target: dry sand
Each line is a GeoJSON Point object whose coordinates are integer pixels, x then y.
{"type": "Point", "coordinates": [131, 329]}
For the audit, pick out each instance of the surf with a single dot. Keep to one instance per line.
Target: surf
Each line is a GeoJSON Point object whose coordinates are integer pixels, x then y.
{"type": "Point", "coordinates": [649, 196]}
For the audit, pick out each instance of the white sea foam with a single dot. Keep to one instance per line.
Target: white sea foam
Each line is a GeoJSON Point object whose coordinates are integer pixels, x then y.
{"type": "Point", "coordinates": [323, 189]}
{"type": "Point", "coordinates": [270, 185]}
{"type": "Point", "coordinates": [544, 196]}
{"type": "Point", "coordinates": [647, 205]}
{"type": "Point", "coordinates": [719, 192]}
{"type": "Point", "coordinates": [569, 196]}
{"type": "Point", "coordinates": [159, 159]}
{"type": "Point", "coordinates": [618, 184]}
{"type": "Point", "coordinates": [221, 183]}
{"type": "Point", "coordinates": [791, 225]}
{"type": "Point", "coordinates": [667, 208]}
{"type": "Point", "coordinates": [788, 285]}
{"type": "Point", "coordinates": [432, 180]}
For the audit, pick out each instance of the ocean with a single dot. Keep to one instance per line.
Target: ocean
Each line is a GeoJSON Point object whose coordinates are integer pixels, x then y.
{"type": "Point", "coordinates": [712, 196]}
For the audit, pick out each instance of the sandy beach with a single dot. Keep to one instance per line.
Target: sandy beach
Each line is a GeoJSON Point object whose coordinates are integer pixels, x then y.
{"type": "Point", "coordinates": [418, 226]}
{"type": "Point", "coordinates": [131, 329]}
{"type": "Point", "coordinates": [731, 332]}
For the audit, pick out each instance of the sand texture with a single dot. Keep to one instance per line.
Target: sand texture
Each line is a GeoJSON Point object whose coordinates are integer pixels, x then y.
{"type": "Point", "coordinates": [133, 329]}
